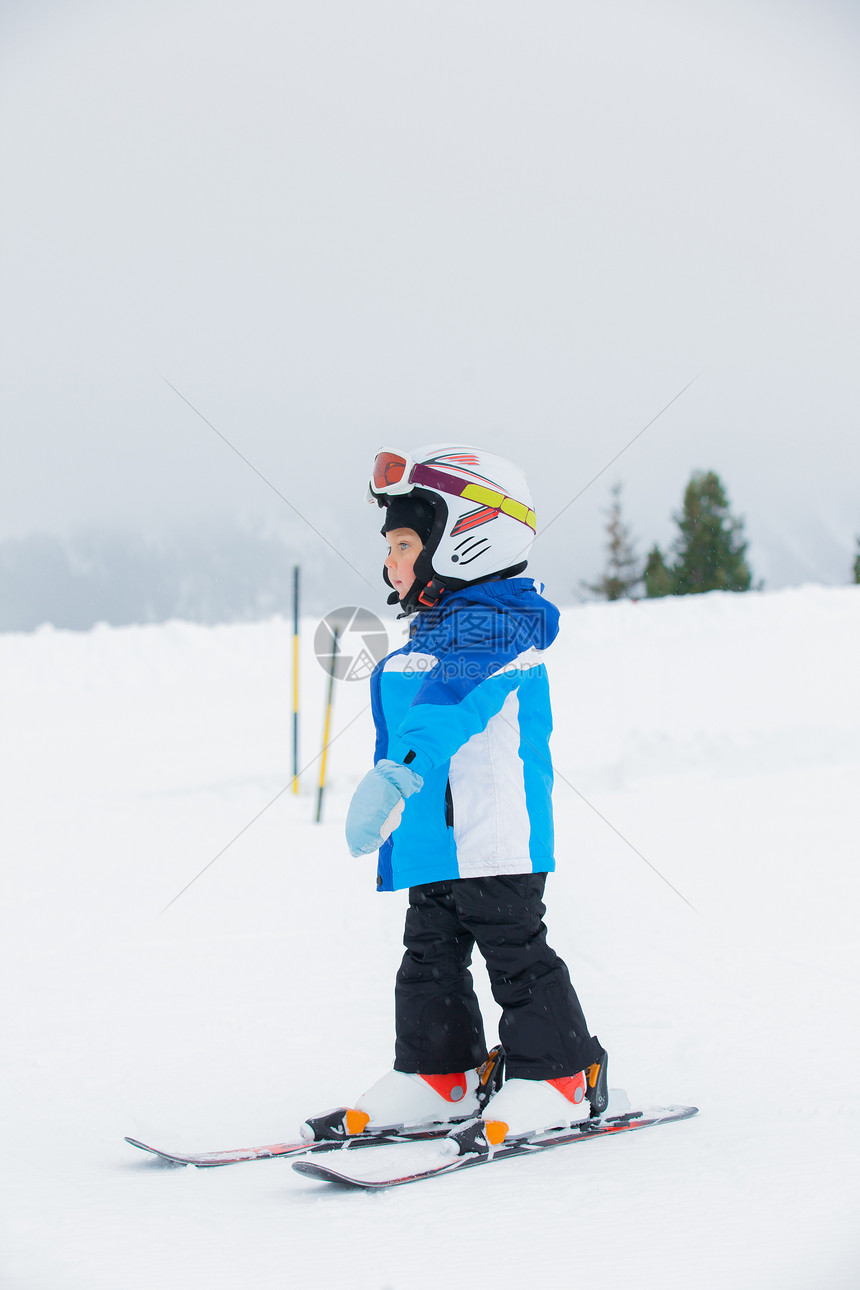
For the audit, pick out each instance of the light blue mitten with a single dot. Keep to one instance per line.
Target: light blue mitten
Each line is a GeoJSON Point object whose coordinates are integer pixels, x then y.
{"type": "Point", "coordinates": [377, 805]}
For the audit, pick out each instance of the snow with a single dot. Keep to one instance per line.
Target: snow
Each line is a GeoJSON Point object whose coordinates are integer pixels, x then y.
{"type": "Point", "coordinates": [707, 752]}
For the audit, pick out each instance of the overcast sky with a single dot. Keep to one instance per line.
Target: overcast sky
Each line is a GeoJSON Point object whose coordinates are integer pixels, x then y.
{"type": "Point", "coordinates": [523, 225]}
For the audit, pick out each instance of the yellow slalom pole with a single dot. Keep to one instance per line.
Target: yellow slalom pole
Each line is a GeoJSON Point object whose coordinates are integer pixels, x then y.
{"type": "Point", "coordinates": [327, 726]}
{"type": "Point", "coordinates": [295, 678]}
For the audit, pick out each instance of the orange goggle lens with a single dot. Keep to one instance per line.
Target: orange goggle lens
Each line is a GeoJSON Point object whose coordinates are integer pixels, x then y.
{"type": "Point", "coordinates": [388, 469]}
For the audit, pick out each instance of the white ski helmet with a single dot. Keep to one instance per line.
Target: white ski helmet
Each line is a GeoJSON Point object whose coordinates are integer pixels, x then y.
{"type": "Point", "coordinates": [483, 520]}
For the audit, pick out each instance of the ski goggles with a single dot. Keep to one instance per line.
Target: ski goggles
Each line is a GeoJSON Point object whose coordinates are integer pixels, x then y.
{"type": "Point", "coordinates": [395, 473]}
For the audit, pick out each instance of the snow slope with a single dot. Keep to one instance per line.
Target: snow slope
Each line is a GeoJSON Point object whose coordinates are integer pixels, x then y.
{"type": "Point", "coordinates": [707, 753]}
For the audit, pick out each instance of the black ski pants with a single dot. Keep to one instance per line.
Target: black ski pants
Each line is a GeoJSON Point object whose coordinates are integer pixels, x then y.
{"type": "Point", "coordinates": [438, 1022]}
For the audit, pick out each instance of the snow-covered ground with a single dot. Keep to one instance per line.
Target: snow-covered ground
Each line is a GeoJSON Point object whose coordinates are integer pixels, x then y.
{"type": "Point", "coordinates": [707, 753]}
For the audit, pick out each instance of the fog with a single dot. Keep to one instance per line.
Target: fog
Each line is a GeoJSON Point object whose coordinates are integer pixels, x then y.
{"type": "Point", "coordinates": [244, 245]}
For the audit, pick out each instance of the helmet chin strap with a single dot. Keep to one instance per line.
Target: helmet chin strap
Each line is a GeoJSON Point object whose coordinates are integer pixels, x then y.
{"type": "Point", "coordinates": [419, 596]}
{"type": "Point", "coordinates": [430, 595]}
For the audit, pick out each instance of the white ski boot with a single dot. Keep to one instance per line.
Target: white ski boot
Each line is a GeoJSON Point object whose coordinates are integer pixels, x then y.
{"type": "Point", "coordinates": [525, 1107]}
{"type": "Point", "coordinates": [400, 1101]}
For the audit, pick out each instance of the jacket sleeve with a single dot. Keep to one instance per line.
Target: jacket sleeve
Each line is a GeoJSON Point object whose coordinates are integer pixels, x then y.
{"type": "Point", "coordinates": [457, 699]}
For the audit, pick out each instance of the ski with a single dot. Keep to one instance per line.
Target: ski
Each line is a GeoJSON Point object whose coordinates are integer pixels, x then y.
{"type": "Point", "coordinates": [427, 1161]}
{"type": "Point", "coordinates": [240, 1155]}
{"type": "Point", "coordinates": [337, 1130]}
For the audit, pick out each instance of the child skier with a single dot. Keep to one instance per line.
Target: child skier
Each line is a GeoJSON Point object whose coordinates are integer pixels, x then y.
{"type": "Point", "coordinates": [458, 806]}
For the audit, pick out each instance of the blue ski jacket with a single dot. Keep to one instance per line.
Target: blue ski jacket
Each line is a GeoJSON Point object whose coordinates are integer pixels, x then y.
{"type": "Point", "coordinates": [465, 703]}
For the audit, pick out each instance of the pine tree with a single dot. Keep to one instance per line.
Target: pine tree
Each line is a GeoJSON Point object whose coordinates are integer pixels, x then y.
{"type": "Point", "coordinates": [857, 563]}
{"type": "Point", "coordinates": [622, 572]}
{"type": "Point", "coordinates": [710, 549]}
{"type": "Point", "coordinates": [659, 580]}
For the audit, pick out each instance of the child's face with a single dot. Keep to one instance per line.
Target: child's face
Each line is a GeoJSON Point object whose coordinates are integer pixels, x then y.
{"type": "Point", "coordinates": [404, 547]}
